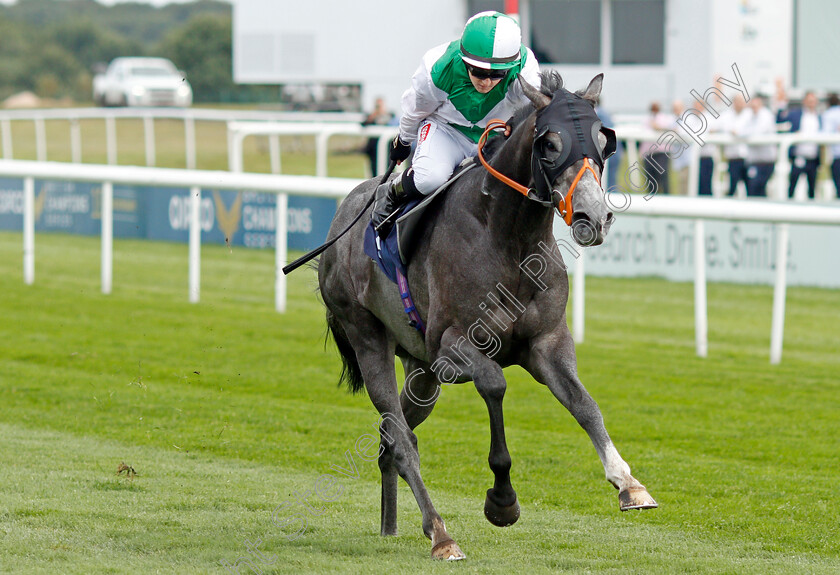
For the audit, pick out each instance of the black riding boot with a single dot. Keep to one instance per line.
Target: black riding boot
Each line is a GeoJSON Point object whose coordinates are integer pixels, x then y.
{"type": "Point", "coordinates": [390, 197]}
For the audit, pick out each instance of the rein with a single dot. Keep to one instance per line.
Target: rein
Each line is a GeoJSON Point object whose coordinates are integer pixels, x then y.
{"type": "Point", "coordinates": [564, 205]}
{"type": "Point", "coordinates": [495, 125]}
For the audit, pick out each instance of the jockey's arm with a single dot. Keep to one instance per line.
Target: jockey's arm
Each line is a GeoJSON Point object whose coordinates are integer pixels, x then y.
{"type": "Point", "coordinates": [418, 102]}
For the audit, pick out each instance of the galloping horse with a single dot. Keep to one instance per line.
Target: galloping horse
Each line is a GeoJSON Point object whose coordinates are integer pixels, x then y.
{"type": "Point", "coordinates": [484, 309]}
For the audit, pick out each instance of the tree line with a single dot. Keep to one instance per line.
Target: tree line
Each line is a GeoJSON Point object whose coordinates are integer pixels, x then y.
{"type": "Point", "coordinates": [54, 47]}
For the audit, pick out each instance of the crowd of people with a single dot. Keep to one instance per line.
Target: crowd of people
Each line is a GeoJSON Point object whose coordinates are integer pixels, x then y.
{"type": "Point", "coordinates": [749, 165]}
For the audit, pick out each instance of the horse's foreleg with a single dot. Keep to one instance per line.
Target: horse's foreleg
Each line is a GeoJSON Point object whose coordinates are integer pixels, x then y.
{"type": "Point", "coordinates": [552, 362]}
{"type": "Point", "coordinates": [417, 400]}
{"type": "Point", "coordinates": [500, 506]}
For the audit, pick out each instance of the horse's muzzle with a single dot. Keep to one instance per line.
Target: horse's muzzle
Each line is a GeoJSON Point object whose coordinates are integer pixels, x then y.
{"type": "Point", "coordinates": [589, 233]}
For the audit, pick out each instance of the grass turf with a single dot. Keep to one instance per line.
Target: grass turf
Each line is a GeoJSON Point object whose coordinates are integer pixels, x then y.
{"type": "Point", "coordinates": [228, 410]}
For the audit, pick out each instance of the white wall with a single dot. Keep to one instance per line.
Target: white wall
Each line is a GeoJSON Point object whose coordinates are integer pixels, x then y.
{"type": "Point", "coordinates": [758, 36]}
{"type": "Point", "coordinates": [818, 44]}
{"type": "Point", "coordinates": [379, 43]}
{"type": "Point", "coordinates": [736, 252]}
{"type": "Point", "coordinates": [376, 42]}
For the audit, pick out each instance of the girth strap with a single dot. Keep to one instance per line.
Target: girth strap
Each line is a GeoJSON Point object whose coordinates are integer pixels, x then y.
{"type": "Point", "coordinates": [408, 304]}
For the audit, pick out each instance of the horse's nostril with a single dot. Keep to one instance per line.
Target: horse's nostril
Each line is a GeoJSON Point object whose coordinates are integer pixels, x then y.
{"type": "Point", "coordinates": [609, 217]}
{"type": "Point", "coordinates": [584, 232]}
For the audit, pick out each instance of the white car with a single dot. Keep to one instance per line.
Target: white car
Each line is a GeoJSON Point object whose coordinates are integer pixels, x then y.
{"type": "Point", "coordinates": [142, 82]}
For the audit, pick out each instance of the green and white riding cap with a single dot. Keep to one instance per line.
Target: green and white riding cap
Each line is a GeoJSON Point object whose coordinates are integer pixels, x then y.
{"type": "Point", "coordinates": [491, 40]}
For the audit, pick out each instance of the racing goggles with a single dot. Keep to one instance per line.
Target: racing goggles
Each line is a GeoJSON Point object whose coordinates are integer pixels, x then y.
{"type": "Point", "coordinates": [483, 74]}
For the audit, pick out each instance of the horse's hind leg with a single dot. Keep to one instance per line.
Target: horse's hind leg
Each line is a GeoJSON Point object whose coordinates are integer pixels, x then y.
{"type": "Point", "coordinates": [388, 503]}
{"type": "Point", "coordinates": [375, 355]}
{"type": "Point", "coordinates": [417, 400]}
{"type": "Point", "coordinates": [552, 362]}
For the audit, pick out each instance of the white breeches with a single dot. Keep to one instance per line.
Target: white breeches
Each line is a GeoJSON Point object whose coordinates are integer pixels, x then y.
{"type": "Point", "coordinates": [440, 148]}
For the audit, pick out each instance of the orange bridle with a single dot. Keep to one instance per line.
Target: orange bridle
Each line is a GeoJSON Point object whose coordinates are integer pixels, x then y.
{"type": "Point", "coordinates": [564, 205]}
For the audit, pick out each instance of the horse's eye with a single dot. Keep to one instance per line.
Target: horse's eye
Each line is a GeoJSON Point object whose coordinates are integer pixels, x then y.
{"type": "Point", "coordinates": [549, 146]}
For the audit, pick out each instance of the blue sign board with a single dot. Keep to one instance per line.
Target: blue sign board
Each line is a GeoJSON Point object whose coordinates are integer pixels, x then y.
{"type": "Point", "coordinates": [227, 217]}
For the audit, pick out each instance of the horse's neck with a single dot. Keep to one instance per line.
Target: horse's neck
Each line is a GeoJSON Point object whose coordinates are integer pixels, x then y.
{"type": "Point", "coordinates": [511, 215]}
{"type": "Point", "coordinates": [514, 157]}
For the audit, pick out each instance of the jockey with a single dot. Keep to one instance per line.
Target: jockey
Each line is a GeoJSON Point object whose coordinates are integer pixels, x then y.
{"type": "Point", "coordinates": [457, 89]}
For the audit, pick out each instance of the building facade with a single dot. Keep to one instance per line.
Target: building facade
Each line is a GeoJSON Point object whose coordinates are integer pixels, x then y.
{"type": "Point", "coordinates": [648, 49]}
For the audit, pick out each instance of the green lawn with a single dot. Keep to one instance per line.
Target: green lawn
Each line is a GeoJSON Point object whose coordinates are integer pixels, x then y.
{"type": "Point", "coordinates": [226, 409]}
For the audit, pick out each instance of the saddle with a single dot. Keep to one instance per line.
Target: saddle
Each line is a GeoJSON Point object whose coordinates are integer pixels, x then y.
{"type": "Point", "coordinates": [393, 254]}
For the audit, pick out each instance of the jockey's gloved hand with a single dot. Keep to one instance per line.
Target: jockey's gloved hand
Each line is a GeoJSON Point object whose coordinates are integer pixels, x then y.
{"type": "Point", "coordinates": [399, 150]}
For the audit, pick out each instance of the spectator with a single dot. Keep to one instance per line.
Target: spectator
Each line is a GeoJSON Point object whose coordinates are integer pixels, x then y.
{"type": "Point", "coordinates": [761, 158]}
{"type": "Point", "coordinates": [655, 164]}
{"type": "Point", "coordinates": [804, 157]}
{"type": "Point", "coordinates": [707, 159]}
{"type": "Point", "coordinates": [379, 116]}
{"type": "Point", "coordinates": [615, 161]}
{"type": "Point", "coordinates": [707, 164]}
{"type": "Point", "coordinates": [680, 163]}
{"type": "Point", "coordinates": [831, 125]}
{"type": "Point", "coordinates": [734, 121]}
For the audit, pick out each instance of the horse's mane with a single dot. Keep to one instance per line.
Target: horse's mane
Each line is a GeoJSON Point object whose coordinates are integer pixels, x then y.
{"type": "Point", "coordinates": [550, 82]}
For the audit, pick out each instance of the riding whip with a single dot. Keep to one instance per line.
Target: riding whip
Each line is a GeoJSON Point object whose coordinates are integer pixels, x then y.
{"type": "Point", "coordinates": [319, 250]}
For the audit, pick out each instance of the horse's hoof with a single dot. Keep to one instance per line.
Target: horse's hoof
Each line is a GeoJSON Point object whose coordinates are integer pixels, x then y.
{"type": "Point", "coordinates": [636, 498]}
{"type": "Point", "coordinates": [447, 551]}
{"type": "Point", "coordinates": [501, 516]}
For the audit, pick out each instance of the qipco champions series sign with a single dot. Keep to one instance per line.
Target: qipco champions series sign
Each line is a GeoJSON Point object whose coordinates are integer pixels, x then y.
{"type": "Point", "coordinates": [232, 218]}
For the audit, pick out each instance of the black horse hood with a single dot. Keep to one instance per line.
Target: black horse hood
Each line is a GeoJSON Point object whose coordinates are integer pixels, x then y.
{"type": "Point", "coordinates": [575, 120]}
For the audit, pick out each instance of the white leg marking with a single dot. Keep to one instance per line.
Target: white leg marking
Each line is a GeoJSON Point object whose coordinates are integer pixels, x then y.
{"type": "Point", "coordinates": [616, 469]}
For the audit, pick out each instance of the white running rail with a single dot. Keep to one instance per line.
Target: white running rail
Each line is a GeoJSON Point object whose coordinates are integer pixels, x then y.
{"type": "Point", "coordinates": [194, 180]}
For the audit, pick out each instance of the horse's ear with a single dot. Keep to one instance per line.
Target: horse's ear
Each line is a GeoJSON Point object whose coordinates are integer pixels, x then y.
{"type": "Point", "coordinates": [539, 99]}
{"type": "Point", "coordinates": [593, 91]}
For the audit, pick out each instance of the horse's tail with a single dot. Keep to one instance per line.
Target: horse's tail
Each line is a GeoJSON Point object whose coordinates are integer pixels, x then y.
{"type": "Point", "coordinates": [351, 373]}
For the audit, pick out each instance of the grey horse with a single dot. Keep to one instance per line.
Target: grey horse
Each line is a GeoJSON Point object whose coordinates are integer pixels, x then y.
{"type": "Point", "coordinates": [488, 278]}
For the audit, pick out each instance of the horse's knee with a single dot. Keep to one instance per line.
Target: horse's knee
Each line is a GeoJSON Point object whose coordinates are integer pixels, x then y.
{"type": "Point", "coordinates": [408, 448]}
{"type": "Point", "coordinates": [399, 444]}
{"type": "Point", "coordinates": [386, 457]}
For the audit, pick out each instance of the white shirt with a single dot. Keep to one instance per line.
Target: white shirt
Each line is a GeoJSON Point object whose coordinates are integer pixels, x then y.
{"type": "Point", "coordinates": [808, 125]}
{"type": "Point", "coordinates": [761, 123]}
{"type": "Point", "coordinates": [659, 122]}
{"type": "Point", "coordinates": [736, 124]}
{"type": "Point", "coordinates": [713, 125]}
{"type": "Point", "coordinates": [831, 125]}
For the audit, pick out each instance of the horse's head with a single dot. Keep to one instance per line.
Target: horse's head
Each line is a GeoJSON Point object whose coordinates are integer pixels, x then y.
{"type": "Point", "coordinates": [567, 159]}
